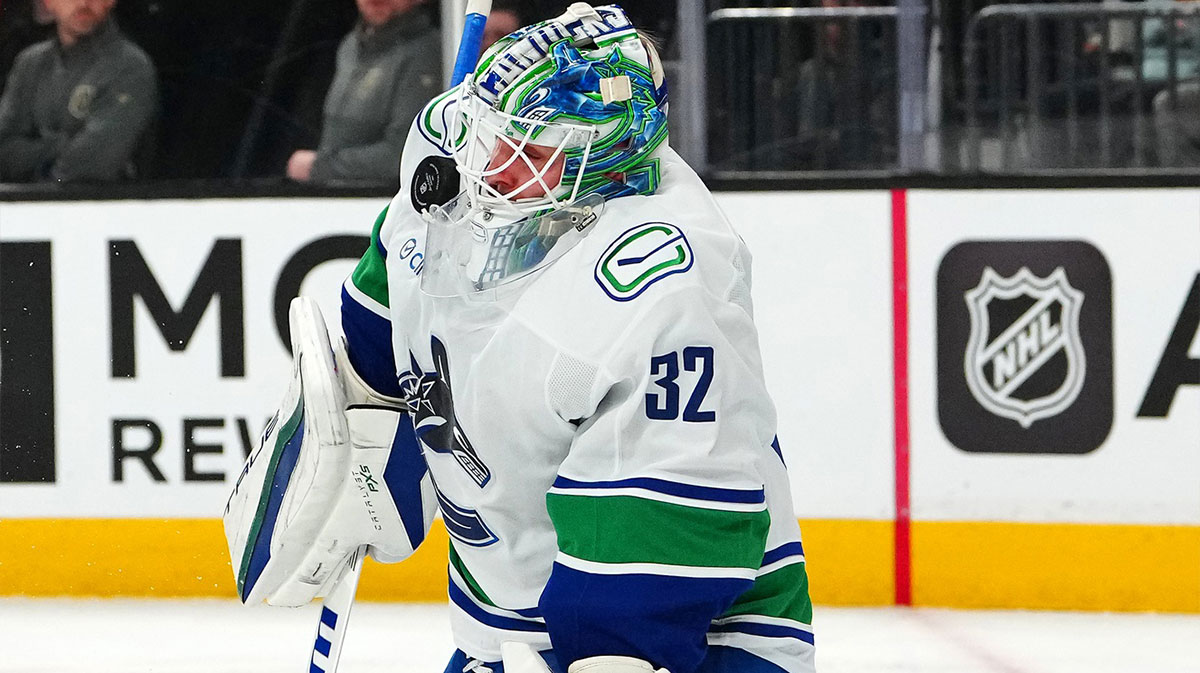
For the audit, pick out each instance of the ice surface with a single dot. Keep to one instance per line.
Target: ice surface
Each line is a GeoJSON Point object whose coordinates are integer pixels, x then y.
{"type": "Point", "coordinates": [212, 636]}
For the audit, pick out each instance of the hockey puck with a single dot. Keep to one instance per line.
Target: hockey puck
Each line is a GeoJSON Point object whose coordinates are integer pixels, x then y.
{"type": "Point", "coordinates": [434, 183]}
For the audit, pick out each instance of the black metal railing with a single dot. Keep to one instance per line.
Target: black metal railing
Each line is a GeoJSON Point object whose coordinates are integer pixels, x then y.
{"type": "Point", "coordinates": [1079, 87]}
{"type": "Point", "coordinates": [802, 90]}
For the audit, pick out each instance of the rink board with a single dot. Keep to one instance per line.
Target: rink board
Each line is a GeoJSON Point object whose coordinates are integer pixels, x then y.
{"type": "Point", "coordinates": [957, 564]}
{"type": "Point", "coordinates": [150, 423]}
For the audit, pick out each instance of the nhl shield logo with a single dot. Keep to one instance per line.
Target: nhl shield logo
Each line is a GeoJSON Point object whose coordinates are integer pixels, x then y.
{"type": "Point", "coordinates": [1024, 357]}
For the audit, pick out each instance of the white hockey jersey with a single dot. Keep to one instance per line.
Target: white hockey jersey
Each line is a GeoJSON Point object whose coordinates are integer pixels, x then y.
{"type": "Point", "coordinates": [600, 437]}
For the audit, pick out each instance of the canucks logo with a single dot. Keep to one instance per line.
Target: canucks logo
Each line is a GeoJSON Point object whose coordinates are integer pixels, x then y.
{"type": "Point", "coordinates": [431, 403]}
{"type": "Point", "coordinates": [641, 257]}
{"type": "Point", "coordinates": [1024, 358]}
{"type": "Point", "coordinates": [436, 122]}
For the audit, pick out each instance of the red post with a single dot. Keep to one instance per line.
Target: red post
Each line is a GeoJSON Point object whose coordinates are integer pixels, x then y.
{"type": "Point", "coordinates": [903, 543]}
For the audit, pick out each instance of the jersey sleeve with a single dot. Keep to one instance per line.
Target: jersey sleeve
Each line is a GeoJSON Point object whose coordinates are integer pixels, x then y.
{"type": "Point", "coordinates": [659, 508]}
{"type": "Point", "coordinates": [366, 321]}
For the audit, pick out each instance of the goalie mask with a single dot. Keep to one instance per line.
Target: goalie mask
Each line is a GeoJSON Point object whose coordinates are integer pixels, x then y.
{"type": "Point", "coordinates": [559, 117]}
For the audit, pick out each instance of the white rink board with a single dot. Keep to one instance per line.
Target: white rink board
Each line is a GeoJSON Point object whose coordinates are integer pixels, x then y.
{"type": "Point", "coordinates": [174, 238]}
{"type": "Point", "coordinates": [1145, 471]}
{"type": "Point", "coordinates": [823, 305]}
{"type": "Point", "coordinates": [821, 289]}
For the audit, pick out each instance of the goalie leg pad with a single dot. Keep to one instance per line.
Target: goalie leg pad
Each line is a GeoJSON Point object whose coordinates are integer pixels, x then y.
{"type": "Point", "coordinates": [283, 496]}
{"type": "Point", "coordinates": [250, 517]}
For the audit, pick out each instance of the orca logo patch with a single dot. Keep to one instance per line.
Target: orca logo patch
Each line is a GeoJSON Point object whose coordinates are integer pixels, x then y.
{"type": "Point", "coordinates": [641, 257]}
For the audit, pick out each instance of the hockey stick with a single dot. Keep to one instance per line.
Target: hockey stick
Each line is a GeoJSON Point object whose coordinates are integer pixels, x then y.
{"type": "Point", "coordinates": [335, 613]}
{"type": "Point", "coordinates": [472, 39]}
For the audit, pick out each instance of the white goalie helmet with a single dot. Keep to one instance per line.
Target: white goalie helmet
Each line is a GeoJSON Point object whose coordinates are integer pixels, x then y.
{"type": "Point", "coordinates": [558, 118]}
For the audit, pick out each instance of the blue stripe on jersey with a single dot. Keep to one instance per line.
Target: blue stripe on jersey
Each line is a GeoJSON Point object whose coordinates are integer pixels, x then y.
{"type": "Point", "coordinates": [661, 619]}
{"type": "Point", "coordinates": [369, 346]}
{"type": "Point", "coordinates": [767, 630]}
{"type": "Point", "coordinates": [283, 474]}
{"type": "Point", "coordinates": [403, 473]}
{"type": "Point", "coordinates": [778, 451]}
{"type": "Point", "coordinates": [486, 618]}
{"type": "Point", "coordinates": [379, 244]}
{"type": "Point", "coordinates": [724, 659]}
{"type": "Point", "coordinates": [719, 659]}
{"type": "Point", "coordinates": [528, 613]}
{"type": "Point", "coordinates": [531, 613]}
{"type": "Point", "coordinates": [734, 495]}
{"type": "Point", "coordinates": [782, 551]}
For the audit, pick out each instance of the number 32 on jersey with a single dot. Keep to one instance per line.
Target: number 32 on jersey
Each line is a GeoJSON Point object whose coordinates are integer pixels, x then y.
{"type": "Point", "coordinates": [662, 401]}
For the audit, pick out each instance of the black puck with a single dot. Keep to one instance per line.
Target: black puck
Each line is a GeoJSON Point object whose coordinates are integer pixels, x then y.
{"type": "Point", "coordinates": [434, 183]}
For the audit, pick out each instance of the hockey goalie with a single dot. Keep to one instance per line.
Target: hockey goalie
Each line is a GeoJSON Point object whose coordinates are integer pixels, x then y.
{"type": "Point", "coordinates": [550, 341]}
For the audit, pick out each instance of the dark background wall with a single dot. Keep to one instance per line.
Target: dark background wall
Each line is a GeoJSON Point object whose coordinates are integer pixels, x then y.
{"type": "Point", "coordinates": [218, 59]}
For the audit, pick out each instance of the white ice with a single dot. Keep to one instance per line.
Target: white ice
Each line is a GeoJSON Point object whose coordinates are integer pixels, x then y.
{"type": "Point", "coordinates": [218, 636]}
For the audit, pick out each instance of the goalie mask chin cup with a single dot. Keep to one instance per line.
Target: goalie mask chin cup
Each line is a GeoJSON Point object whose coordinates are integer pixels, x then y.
{"type": "Point", "coordinates": [469, 250]}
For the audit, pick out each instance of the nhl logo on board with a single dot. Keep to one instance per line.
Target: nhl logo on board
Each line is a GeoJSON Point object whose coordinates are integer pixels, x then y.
{"type": "Point", "coordinates": [1024, 346]}
{"type": "Point", "coordinates": [1024, 358]}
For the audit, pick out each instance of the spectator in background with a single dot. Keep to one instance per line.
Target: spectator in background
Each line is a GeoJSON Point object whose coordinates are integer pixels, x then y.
{"type": "Point", "coordinates": [388, 67]}
{"type": "Point", "coordinates": [847, 96]}
{"type": "Point", "coordinates": [22, 23]}
{"type": "Point", "coordinates": [1178, 129]}
{"type": "Point", "coordinates": [76, 105]}
{"type": "Point", "coordinates": [504, 18]}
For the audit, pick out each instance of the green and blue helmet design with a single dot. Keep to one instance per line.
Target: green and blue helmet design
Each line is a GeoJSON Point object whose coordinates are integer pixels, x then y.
{"type": "Point", "coordinates": [585, 84]}
{"type": "Point", "coordinates": [558, 118]}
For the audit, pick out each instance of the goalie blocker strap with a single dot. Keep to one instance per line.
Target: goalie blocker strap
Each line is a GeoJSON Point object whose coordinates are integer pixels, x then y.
{"type": "Point", "coordinates": [327, 477]}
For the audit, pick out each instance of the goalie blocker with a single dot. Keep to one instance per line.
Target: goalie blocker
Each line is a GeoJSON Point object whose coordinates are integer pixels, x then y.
{"type": "Point", "coordinates": [338, 466]}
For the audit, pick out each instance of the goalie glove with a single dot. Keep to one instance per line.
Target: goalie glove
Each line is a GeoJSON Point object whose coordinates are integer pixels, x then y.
{"type": "Point", "coordinates": [522, 658]}
{"type": "Point", "coordinates": [324, 479]}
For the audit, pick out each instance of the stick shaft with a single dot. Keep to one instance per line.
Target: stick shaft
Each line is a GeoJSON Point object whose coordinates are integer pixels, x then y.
{"type": "Point", "coordinates": [472, 39]}
{"type": "Point", "coordinates": [335, 615]}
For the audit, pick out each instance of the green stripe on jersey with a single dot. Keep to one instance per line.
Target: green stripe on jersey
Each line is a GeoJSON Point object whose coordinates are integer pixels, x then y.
{"type": "Point", "coordinates": [627, 529]}
{"type": "Point", "coordinates": [370, 276]}
{"type": "Point", "coordinates": [477, 591]}
{"type": "Point", "coordinates": [780, 593]}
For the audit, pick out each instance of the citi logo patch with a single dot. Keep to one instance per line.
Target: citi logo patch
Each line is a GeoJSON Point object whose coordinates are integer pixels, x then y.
{"type": "Point", "coordinates": [1025, 347]}
{"type": "Point", "coordinates": [641, 257]}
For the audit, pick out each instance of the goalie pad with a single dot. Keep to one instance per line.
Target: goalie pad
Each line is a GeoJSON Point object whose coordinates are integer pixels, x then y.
{"type": "Point", "coordinates": [324, 479]}
{"type": "Point", "coordinates": [520, 657]}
